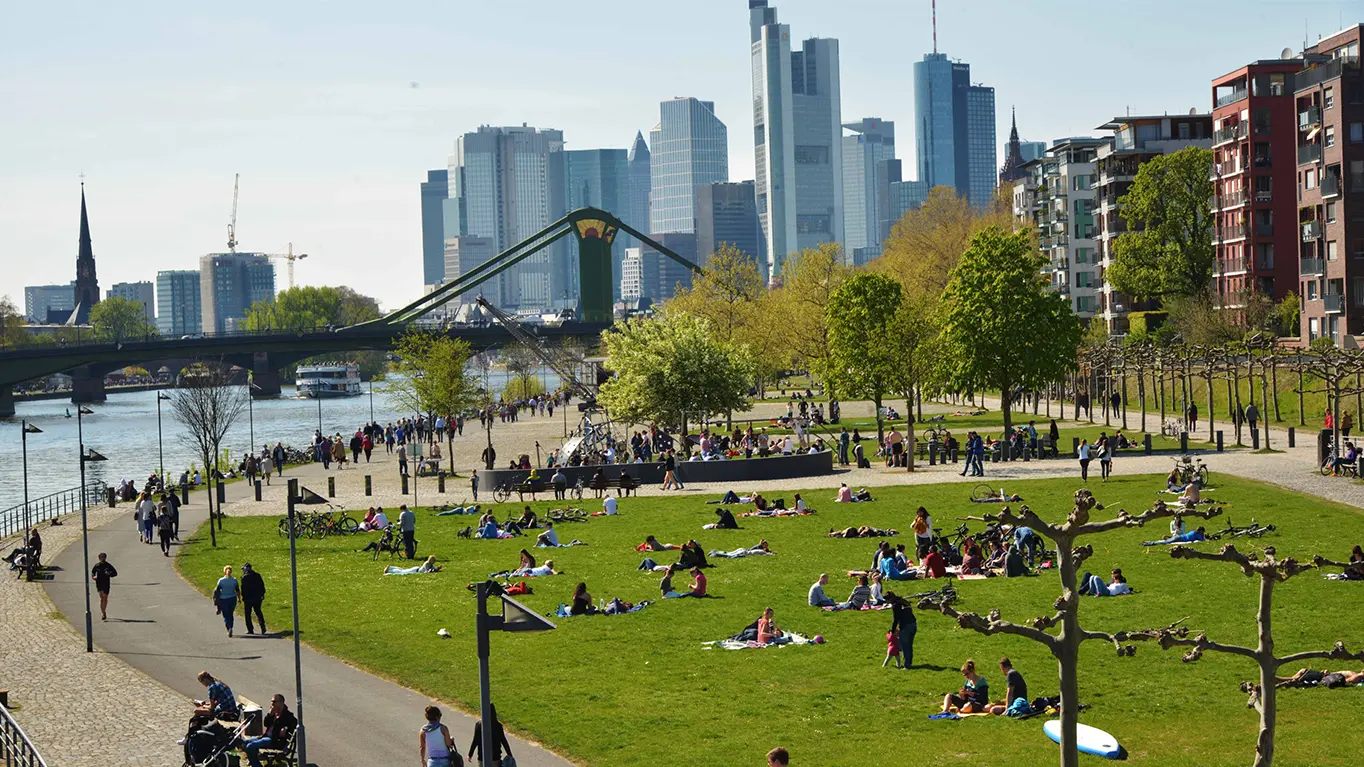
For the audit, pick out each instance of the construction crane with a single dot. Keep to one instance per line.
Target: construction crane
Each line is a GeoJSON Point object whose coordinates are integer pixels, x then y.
{"type": "Point", "coordinates": [232, 224]}
{"type": "Point", "coordinates": [291, 257]}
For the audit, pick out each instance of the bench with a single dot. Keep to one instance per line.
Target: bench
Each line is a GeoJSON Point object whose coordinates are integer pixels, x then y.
{"type": "Point", "coordinates": [624, 485]}
{"type": "Point", "coordinates": [281, 757]}
{"type": "Point", "coordinates": [532, 487]}
{"type": "Point", "coordinates": [254, 716]}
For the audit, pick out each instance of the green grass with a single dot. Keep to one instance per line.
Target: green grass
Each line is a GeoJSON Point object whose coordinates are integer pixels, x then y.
{"type": "Point", "coordinates": [637, 689]}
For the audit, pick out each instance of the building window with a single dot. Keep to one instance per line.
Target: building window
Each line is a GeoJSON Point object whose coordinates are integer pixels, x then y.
{"type": "Point", "coordinates": [1309, 179]}
{"type": "Point", "coordinates": [1330, 135]}
{"type": "Point", "coordinates": [1356, 133]}
{"type": "Point", "coordinates": [1328, 98]}
{"type": "Point", "coordinates": [1311, 290]}
{"type": "Point", "coordinates": [1276, 83]}
{"type": "Point", "coordinates": [1330, 212]}
{"type": "Point", "coordinates": [1331, 250]}
{"type": "Point", "coordinates": [1313, 329]}
{"type": "Point", "coordinates": [1357, 292]}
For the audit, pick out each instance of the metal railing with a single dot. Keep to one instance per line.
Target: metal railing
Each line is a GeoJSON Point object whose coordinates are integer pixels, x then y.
{"type": "Point", "coordinates": [1311, 231]}
{"type": "Point", "coordinates": [1232, 96]}
{"type": "Point", "coordinates": [1229, 133]}
{"type": "Point", "coordinates": [1333, 302]}
{"type": "Point", "coordinates": [51, 506]}
{"type": "Point", "coordinates": [16, 750]}
{"type": "Point", "coordinates": [1309, 117]}
{"type": "Point", "coordinates": [1309, 153]}
{"type": "Point", "coordinates": [1330, 186]}
{"type": "Point", "coordinates": [1309, 266]}
{"type": "Point", "coordinates": [1232, 232]}
{"type": "Point", "coordinates": [1233, 198]}
{"type": "Point", "coordinates": [1321, 73]}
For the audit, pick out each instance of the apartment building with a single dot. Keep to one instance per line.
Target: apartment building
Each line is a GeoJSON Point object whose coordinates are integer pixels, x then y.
{"type": "Point", "coordinates": [1056, 195]}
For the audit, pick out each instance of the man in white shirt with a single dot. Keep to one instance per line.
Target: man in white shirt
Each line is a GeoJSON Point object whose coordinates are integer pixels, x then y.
{"type": "Point", "coordinates": [380, 520]}
{"type": "Point", "coordinates": [146, 510]}
{"type": "Point", "coordinates": [609, 506]}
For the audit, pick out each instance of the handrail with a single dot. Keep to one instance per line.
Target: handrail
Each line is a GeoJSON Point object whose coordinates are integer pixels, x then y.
{"type": "Point", "coordinates": [16, 750]}
{"type": "Point", "coordinates": [51, 506]}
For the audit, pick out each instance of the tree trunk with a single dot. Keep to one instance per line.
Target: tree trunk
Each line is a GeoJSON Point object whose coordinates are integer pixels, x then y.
{"type": "Point", "coordinates": [919, 402]}
{"type": "Point", "coordinates": [909, 427]}
{"type": "Point", "coordinates": [208, 485]}
{"type": "Point", "coordinates": [1302, 413]}
{"type": "Point", "coordinates": [880, 422]}
{"type": "Point", "coordinates": [1141, 397]}
{"type": "Point", "coordinates": [1212, 411]}
{"type": "Point", "coordinates": [1264, 749]}
{"type": "Point", "coordinates": [1124, 398]}
{"type": "Point", "coordinates": [1067, 652]}
{"type": "Point", "coordinates": [1274, 372]}
{"type": "Point", "coordinates": [1004, 403]}
{"type": "Point", "coordinates": [1233, 402]}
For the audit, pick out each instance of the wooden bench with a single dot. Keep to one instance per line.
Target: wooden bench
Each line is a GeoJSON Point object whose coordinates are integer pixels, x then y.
{"type": "Point", "coordinates": [254, 715]}
{"type": "Point", "coordinates": [624, 485]}
{"type": "Point", "coordinates": [532, 487]}
{"type": "Point", "coordinates": [281, 757]}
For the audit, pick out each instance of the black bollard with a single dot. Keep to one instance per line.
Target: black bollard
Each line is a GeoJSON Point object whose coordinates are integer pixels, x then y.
{"type": "Point", "coordinates": [1219, 440]}
{"type": "Point", "coordinates": [1254, 439]}
{"type": "Point", "coordinates": [1075, 447]}
{"type": "Point", "coordinates": [184, 493]}
{"type": "Point", "coordinates": [222, 494]}
{"type": "Point", "coordinates": [1183, 442]}
{"type": "Point", "coordinates": [404, 484]}
{"type": "Point", "coordinates": [1292, 439]}
{"type": "Point", "coordinates": [440, 483]}
{"type": "Point", "coordinates": [932, 454]}
{"type": "Point", "coordinates": [257, 491]}
{"type": "Point", "coordinates": [369, 485]}
{"type": "Point", "coordinates": [331, 487]}
{"type": "Point", "coordinates": [956, 454]}
{"type": "Point", "coordinates": [1146, 443]}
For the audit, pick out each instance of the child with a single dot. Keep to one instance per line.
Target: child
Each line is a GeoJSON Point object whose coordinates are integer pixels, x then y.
{"type": "Point", "coordinates": [892, 650]}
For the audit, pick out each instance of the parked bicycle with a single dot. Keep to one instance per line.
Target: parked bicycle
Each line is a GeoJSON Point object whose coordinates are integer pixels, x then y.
{"type": "Point", "coordinates": [1189, 467]}
{"type": "Point", "coordinates": [943, 596]}
{"type": "Point", "coordinates": [1255, 530]}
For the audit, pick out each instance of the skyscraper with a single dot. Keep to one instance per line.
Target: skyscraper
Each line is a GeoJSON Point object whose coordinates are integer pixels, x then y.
{"type": "Point", "coordinates": [637, 212]}
{"type": "Point", "coordinates": [503, 186]}
{"type": "Point", "coordinates": [598, 178]}
{"type": "Point", "coordinates": [689, 147]}
{"type": "Point", "coordinates": [1032, 150]}
{"type": "Point", "coordinates": [727, 214]}
{"type": "Point", "coordinates": [229, 283]}
{"type": "Point", "coordinates": [864, 155]}
{"type": "Point", "coordinates": [44, 301]}
{"type": "Point", "coordinates": [954, 128]}
{"type": "Point", "coordinates": [435, 190]}
{"type": "Point", "coordinates": [87, 285]}
{"type": "Point", "coordinates": [798, 155]}
{"type": "Point", "coordinates": [140, 292]}
{"type": "Point", "coordinates": [178, 301]}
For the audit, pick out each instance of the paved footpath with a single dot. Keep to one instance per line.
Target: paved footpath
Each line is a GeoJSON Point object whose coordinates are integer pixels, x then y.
{"type": "Point", "coordinates": [165, 629]}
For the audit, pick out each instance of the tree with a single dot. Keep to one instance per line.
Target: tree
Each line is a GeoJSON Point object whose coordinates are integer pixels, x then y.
{"type": "Point", "coordinates": [522, 388]}
{"type": "Point", "coordinates": [12, 331]}
{"type": "Point", "coordinates": [864, 357]}
{"type": "Point", "coordinates": [435, 379]}
{"type": "Point", "coordinates": [1002, 327]}
{"type": "Point", "coordinates": [800, 307]}
{"type": "Point", "coordinates": [925, 245]}
{"type": "Point", "coordinates": [913, 336]}
{"type": "Point", "coordinates": [1064, 645]}
{"type": "Point", "coordinates": [206, 403]}
{"type": "Point", "coordinates": [1263, 694]}
{"type": "Point", "coordinates": [671, 369]}
{"type": "Point", "coordinates": [116, 318]}
{"type": "Point", "coordinates": [521, 362]}
{"type": "Point", "coordinates": [1167, 250]}
{"type": "Point", "coordinates": [307, 308]}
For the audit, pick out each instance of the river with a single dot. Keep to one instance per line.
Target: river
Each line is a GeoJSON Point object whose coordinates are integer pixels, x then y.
{"type": "Point", "coordinates": [124, 430]}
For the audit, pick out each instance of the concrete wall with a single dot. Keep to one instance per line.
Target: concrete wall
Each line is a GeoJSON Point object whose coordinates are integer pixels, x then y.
{"type": "Point", "coordinates": [746, 471]}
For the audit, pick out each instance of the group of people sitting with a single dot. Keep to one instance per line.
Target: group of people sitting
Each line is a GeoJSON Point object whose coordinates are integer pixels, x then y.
{"type": "Point", "coordinates": [974, 695]}
{"type": "Point", "coordinates": [846, 495]}
{"type": "Point", "coordinates": [867, 592]}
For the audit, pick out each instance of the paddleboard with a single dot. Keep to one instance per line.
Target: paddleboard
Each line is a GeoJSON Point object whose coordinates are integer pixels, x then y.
{"type": "Point", "coordinates": [1089, 740]}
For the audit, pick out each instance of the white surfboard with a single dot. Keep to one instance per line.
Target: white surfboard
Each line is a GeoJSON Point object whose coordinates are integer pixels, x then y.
{"type": "Point", "coordinates": [1089, 740]}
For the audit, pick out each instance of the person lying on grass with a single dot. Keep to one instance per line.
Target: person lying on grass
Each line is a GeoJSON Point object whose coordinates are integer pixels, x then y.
{"type": "Point", "coordinates": [726, 521]}
{"type": "Point", "coordinates": [757, 551]}
{"type": "Point", "coordinates": [1190, 537]}
{"type": "Point", "coordinates": [535, 572]}
{"type": "Point", "coordinates": [768, 630]}
{"type": "Point", "coordinates": [1094, 586]}
{"type": "Point", "coordinates": [974, 695]}
{"type": "Point", "coordinates": [651, 544]}
{"type": "Point", "coordinates": [865, 531]}
{"type": "Point", "coordinates": [429, 566]}
{"type": "Point", "coordinates": [1309, 677]}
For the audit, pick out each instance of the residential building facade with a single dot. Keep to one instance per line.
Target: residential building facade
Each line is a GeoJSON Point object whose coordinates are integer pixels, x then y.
{"type": "Point", "coordinates": [1329, 101]}
{"type": "Point", "coordinates": [141, 292]}
{"type": "Point", "coordinates": [798, 154]}
{"type": "Point", "coordinates": [435, 190]}
{"type": "Point", "coordinates": [42, 301]}
{"type": "Point", "coordinates": [1056, 195]}
{"type": "Point", "coordinates": [1135, 140]}
{"type": "Point", "coordinates": [727, 214]}
{"type": "Point", "coordinates": [229, 283]}
{"type": "Point", "coordinates": [179, 309]}
{"type": "Point", "coordinates": [864, 156]}
{"type": "Point", "coordinates": [954, 125]}
{"type": "Point", "coordinates": [688, 148]}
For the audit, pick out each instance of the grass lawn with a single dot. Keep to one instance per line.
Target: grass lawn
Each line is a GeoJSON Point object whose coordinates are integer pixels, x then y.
{"type": "Point", "coordinates": [639, 689]}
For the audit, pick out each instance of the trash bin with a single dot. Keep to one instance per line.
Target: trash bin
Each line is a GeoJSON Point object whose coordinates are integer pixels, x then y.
{"type": "Point", "coordinates": [1325, 441]}
{"type": "Point", "coordinates": [109, 494]}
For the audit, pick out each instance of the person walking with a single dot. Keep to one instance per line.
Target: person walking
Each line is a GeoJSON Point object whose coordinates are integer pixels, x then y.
{"type": "Point", "coordinates": [978, 452]}
{"type": "Point", "coordinates": [1105, 458]}
{"type": "Point", "coordinates": [903, 625]}
{"type": "Point", "coordinates": [225, 597]}
{"type": "Point", "coordinates": [278, 455]}
{"type": "Point", "coordinates": [357, 443]}
{"type": "Point", "coordinates": [843, 442]}
{"type": "Point", "coordinates": [253, 593]}
{"type": "Point", "coordinates": [267, 466]}
{"type": "Point", "coordinates": [101, 574]}
{"type": "Point", "coordinates": [146, 507]}
{"type": "Point", "coordinates": [1193, 417]}
{"type": "Point", "coordinates": [367, 444]}
{"type": "Point", "coordinates": [1252, 415]}
{"type": "Point", "coordinates": [402, 459]}
{"type": "Point", "coordinates": [165, 526]}
{"type": "Point", "coordinates": [437, 749]}
{"type": "Point", "coordinates": [407, 523]}
{"type": "Point", "coordinates": [1085, 455]}
{"type": "Point", "coordinates": [338, 453]}
{"type": "Point", "coordinates": [499, 740]}
{"type": "Point", "coordinates": [473, 482]}
{"type": "Point", "coordinates": [1347, 422]}
{"type": "Point", "coordinates": [172, 501]}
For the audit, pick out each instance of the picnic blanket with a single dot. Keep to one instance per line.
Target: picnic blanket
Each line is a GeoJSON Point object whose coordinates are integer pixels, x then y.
{"type": "Point", "coordinates": [867, 606]}
{"type": "Point", "coordinates": [778, 513]}
{"type": "Point", "coordinates": [562, 611]}
{"type": "Point", "coordinates": [730, 643]}
{"type": "Point", "coordinates": [740, 553]}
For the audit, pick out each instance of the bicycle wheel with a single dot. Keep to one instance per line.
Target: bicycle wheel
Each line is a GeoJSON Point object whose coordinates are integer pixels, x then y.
{"type": "Point", "coordinates": [284, 528]}
{"type": "Point", "coordinates": [348, 525]}
{"type": "Point", "coordinates": [577, 492]}
{"type": "Point", "coordinates": [501, 494]}
{"type": "Point", "coordinates": [1327, 466]}
{"type": "Point", "coordinates": [983, 492]}
{"type": "Point", "coordinates": [1203, 475]}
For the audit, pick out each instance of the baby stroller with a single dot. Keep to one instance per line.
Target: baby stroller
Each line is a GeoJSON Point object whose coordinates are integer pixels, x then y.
{"type": "Point", "coordinates": [208, 742]}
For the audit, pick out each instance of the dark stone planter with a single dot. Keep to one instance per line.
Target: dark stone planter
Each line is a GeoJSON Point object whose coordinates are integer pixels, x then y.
{"type": "Point", "coordinates": [747, 470]}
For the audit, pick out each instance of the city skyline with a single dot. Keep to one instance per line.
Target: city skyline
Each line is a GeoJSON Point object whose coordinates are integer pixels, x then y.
{"type": "Point", "coordinates": [330, 120]}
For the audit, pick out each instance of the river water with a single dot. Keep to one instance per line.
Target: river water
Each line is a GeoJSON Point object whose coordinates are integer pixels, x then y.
{"type": "Point", "coordinates": [124, 430]}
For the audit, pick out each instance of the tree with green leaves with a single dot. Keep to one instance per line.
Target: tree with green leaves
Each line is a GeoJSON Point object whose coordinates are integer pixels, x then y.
{"type": "Point", "coordinates": [671, 369]}
{"type": "Point", "coordinates": [310, 308]}
{"type": "Point", "coordinates": [522, 362]}
{"type": "Point", "coordinates": [117, 318]}
{"type": "Point", "coordinates": [12, 330]}
{"type": "Point", "coordinates": [865, 360]}
{"type": "Point", "coordinates": [808, 280]}
{"type": "Point", "coordinates": [1002, 327]}
{"type": "Point", "coordinates": [1167, 250]}
{"type": "Point", "coordinates": [434, 378]}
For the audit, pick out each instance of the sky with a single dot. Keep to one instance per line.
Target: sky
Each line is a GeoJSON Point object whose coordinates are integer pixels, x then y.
{"type": "Point", "coordinates": [333, 111]}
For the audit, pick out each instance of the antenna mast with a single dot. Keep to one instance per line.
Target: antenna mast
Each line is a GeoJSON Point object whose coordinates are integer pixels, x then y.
{"type": "Point", "coordinates": [232, 225]}
{"type": "Point", "coordinates": [935, 26]}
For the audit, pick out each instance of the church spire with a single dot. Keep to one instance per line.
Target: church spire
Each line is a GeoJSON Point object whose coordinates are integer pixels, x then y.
{"type": "Point", "coordinates": [1013, 158]}
{"type": "Point", "coordinates": [1013, 132]}
{"type": "Point", "coordinates": [87, 285]}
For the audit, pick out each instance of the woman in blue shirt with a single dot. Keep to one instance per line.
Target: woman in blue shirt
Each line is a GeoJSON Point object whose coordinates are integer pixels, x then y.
{"type": "Point", "coordinates": [225, 597]}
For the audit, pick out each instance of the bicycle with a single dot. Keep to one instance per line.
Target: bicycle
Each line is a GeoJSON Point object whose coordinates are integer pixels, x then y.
{"type": "Point", "coordinates": [1255, 530]}
{"type": "Point", "coordinates": [943, 596]}
{"type": "Point", "coordinates": [502, 493]}
{"type": "Point", "coordinates": [570, 514]}
{"type": "Point", "coordinates": [577, 490]}
{"type": "Point", "coordinates": [1172, 429]}
{"type": "Point", "coordinates": [983, 492]}
{"type": "Point", "coordinates": [1332, 466]}
{"type": "Point", "coordinates": [1188, 470]}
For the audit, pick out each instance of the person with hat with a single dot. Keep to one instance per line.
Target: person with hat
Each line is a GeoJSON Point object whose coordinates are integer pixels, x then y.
{"type": "Point", "coordinates": [253, 593]}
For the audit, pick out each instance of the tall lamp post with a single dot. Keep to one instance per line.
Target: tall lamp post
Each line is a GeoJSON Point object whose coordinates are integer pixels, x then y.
{"type": "Point", "coordinates": [86, 456]}
{"type": "Point", "coordinates": [250, 412]}
{"type": "Point", "coordinates": [160, 447]}
{"type": "Point", "coordinates": [25, 430]}
{"type": "Point", "coordinates": [308, 498]}
{"type": "Point", "coordinates": [371, 400]}
{"type": "Point", "coordinates": [515, 617]}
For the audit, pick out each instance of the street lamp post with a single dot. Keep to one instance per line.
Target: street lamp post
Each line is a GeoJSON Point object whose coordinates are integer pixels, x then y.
{"type": "Point", "coordinates": [515, 617]}
{"type": "Point", "coordinates": [319, 411]}
{"type": "Point", "coordinates": [309, 497]}
{"type": "Point", "coordinates": [250, 412]}
{"type": "Point", "coordinates": [26, 429]}
{"type": "Point", "coordinates": [160, 447]}
{"type": "Point", "coordinates": [371, 400]}
{"type": "Point", "coordinates": [85, 457]}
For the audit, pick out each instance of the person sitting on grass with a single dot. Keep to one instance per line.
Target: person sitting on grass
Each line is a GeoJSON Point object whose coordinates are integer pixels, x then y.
{"type": "Point", "coordinates": [860, 596]}
{"type": "Point", "coordinates": [368, 524]}
{"type": "Point", "coordinates": [1094, 586]}
{"type": "Point", "coordinates": [698, 584]}
{"type": "Point", "coordinates": [1193, 493]}
{"type": "Point", "coordinates": [1013, 563]}
{"type": "Point", "coordinates": [429, 566]}
{"type": "Point", "coordinates": [1016, 692]}
{"type": "Point", "coordinates": [692, 556]}
{"type": "Point", "coordinates": [488, 528]}
{"type": "Point", "coordinates": [934, 566]}
{"type": "Point", "coordinates": [997, 555]}
{"type": "Point", "coordinates": [1172, 483]}
{"type": "Point", "coordinates": [726, 521]}
{"type": "Point", "coordinates": [582, 601]}
{"type": "Point", "coordinates": [1309, 677]}
{"type": "Point", "coordinates": [652, 544]}
{"type": "Point", "coordinates": [974, 695]}
{"type": "Point", "coordinates": [972, 563]}
{"type": "Point", "coordinates": [527, 560]}
{"type": "Point", "coordinates": [768, 630]}
{"type": "Point", "coordinates": [760, 550]}
{"type": "Point", "coordinates": [536, 572]}
{"type": "Point", "coordinates": [817, 596]}
{"type": "Point", "coordinates": [528, 520]}
{"type": "Point", "coordinates": [844, 494]}
{"type": "Point", "coordinates": [666, 585]}
{"type": "Point", "coordinates": [550, 537]}
{"type": "Point", "coordinates": [1190, 537]}
{"type": "Point", "coordinates": [892, 569]}
{"type": "Point", "coordinates": [876, 596]}
{"type": "Point", "coordinates": [800, 507]}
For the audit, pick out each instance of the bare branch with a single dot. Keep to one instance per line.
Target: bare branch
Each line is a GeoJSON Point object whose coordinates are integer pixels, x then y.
{"type": "Point", "coordinates": [1160, 510]}
{"type": "Point", "coordinates": [1338, 652]}
{"type": "Point", "coordinates": [992, 625]}
{"type": "Point", "coordinates": [1251, 564]}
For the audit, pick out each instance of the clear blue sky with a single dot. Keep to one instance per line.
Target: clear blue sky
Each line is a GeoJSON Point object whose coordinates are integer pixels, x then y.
{"type": "Point", "coordinates": [333, 111]}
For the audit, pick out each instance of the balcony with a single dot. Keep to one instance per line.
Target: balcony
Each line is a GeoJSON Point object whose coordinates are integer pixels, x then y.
{"type": "Point", "coordinates": [1264, 195]}
{"type": "Point", "coordinates": [1309, 117]}
{"type": "Point", "coordinates": [1231, 233]}
{"type": "Point", "coordinates": [1334, 303]}
{"type": "Point", "coordinates": [1311, 231]}
{"type": "Point", "coordinates": [1231, 97]}
{"type": "Point", "coordinates": [1264, 230]}
{"type": "Point", "coordinates": [1233, 199]}
{"type": "Point", "coordinates": [1311, 266]}
{"type": "Point", "coordinates": [1229, 133]}
{"type": "Point", "coordinates": [1263, 161]}
{"type": "Point", "coordinates": [1309, 153]}
{"type": "Point", "coordinates": [1235, 265]}
{"type": "Point", "coordinates": [1330, 186]}
{"type": "Point", "coordinates": [1320, 74]}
